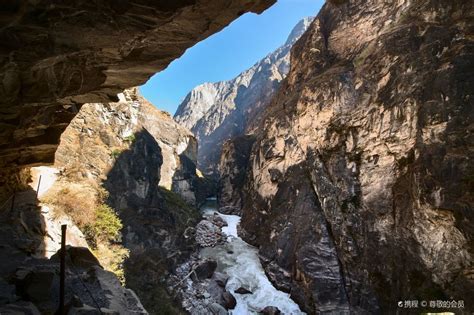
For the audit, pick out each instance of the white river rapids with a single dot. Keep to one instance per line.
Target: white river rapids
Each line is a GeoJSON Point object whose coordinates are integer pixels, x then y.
{"type": "Point", "coordinates": [240, 262]}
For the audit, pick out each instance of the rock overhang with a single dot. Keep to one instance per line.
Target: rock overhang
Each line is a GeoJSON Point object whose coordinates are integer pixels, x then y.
{"type": "Point", "coordinates": [56, 56]}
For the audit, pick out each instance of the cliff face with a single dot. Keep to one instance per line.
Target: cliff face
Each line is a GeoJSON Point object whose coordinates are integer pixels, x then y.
{"type": "Point", "coordinates": [216, 112]}
{"type": "Point", "coordinates": [359, 191]}
{"type": "Point", "coordinates": [100, 133]}
{"type": "Point", "coordinates": [30, 235]}
{"type": "Point", "coordinates": [233, 168]}
{"type": "Point", "coordinates": [147, 164]}
{"type": "Point", "coordinates": [49, 68]}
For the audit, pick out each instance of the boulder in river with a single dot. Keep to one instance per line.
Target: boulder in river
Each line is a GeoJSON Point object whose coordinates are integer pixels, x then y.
{"type": "Point", "coordinates": [243, 290]}
{"type": "Point", "coordinates": [208, 234]}
{"type": "Point", "coordinates": [271, 310]}
{"type": "Point", "coordinates": [221, 279]}
{"type": "Point", "coordinates": [230, 210]}
{"type": "Point", "coordinates": [218, 220]}
{"type": "Point", "coordinates": [229, 301]}
{"type": "Point", "coordinates": [206, 269]}
{"type": "Point", "coordinates": [217, 309]}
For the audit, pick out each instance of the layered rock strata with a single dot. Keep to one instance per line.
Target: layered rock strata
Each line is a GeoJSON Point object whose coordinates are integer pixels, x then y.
{"type": "Point", "coordinates": [98, 136]}
{"type": "Point", "coordinates": [359, 191]}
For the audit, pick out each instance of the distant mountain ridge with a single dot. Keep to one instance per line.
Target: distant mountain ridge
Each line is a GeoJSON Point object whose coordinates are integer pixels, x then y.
{"type": "Point", "coordinates": [216, 112]}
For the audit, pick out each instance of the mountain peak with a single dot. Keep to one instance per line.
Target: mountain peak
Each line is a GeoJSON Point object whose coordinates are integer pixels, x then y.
{"type": "Point", "coordinates": [299, 30]}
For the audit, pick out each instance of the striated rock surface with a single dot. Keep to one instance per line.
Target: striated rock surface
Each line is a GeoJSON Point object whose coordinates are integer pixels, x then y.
{"type": "Point", "coordinates": [146, 163]}
{"type": "Point", "coordinates": [216, 112]}
{"type": "Point", "coordinates": [233, 168]}
{"type": "Point", "coordinates": [93, 143]}
{"type": "Point", "coordinates": [49, 67]}
{"type": "Point", "coordinates": [359, 191]}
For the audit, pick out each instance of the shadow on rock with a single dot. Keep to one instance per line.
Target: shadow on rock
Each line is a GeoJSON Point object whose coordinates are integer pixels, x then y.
{"type": "Point", "coordinates": [154, 221]}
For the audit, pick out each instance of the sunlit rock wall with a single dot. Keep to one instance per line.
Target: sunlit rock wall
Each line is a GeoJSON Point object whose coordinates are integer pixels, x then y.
{"type": "Point", "coordinates": [360, 190]}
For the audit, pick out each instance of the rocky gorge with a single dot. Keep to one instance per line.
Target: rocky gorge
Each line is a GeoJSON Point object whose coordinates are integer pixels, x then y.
{"type": "Point", "coordinates": [357, 189]}
{"type": "Point", "coordinates": [217, 112]}
{"type": "Point", "coordinates": [49, 70]}
{"type": "Point", "coordinates": [344, 162]}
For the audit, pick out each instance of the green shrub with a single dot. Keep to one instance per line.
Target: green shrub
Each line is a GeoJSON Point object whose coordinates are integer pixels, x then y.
{"type": "Point", "coordinates": [183, 214]}
{"type": "Point", "coordinates": [130, 138]}
{"type": "Point", "coordinates": [116, 153]}
{"type": "Point", "coordinates": [105, 228]}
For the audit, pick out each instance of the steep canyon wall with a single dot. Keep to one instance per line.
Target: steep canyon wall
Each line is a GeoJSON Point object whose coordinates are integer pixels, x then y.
{"type": "Point", "coordinates": [359, 186]}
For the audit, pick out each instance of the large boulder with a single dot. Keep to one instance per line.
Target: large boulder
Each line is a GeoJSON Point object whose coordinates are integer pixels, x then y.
{"type": "Point", "coordinates": [228, 301]}
{"type": "Point", "coordinates": [206, 269]}
{"type": "Point", "coordinates": [78, 257]}
{"type": "Point", "coordinates": [242, 290]}
{"type": "Point", "coordinates": [217, 309]}
{"type": "Point", "coordinates": [208, 234]}
{"type": "Point", "coordinates": [271, 310]}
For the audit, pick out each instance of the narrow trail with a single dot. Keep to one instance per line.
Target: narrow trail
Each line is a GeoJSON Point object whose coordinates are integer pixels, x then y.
{"type": "Point", "coordinates": [46, 177]}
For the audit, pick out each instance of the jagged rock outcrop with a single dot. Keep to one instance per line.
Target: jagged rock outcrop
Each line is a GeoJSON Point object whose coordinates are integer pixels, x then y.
{"type": "Point", "coordinates": [208, 234]}
{"type": "Point", "coordinates": [49, 67]}
{"type": "Point", "coordinates": [89, 289]}
{"type": "Point", "coordinates": [100, 133]}
{"type": "Point", "coordinates": [147, 164]}
{"type": "Point", "coordinates": [359, 192]}
{"type": "Point", "coordinates": [216, 112]}
{"type": "Point", "coordinates": [29, 281]}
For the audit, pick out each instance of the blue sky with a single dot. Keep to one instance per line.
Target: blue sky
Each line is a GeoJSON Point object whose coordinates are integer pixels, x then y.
{"type": "Point", "coordinates": [226, 54]}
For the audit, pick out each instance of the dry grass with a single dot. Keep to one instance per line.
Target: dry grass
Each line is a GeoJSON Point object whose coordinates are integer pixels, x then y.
{"type": "Point", "coordinates": [84, 204]}
{"type": "Point", "coordinates": [112, 257]}
{"type": "Point", "coordinates": [77, 201]}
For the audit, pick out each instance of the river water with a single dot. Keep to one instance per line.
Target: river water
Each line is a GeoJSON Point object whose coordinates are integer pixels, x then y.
{"type": "Point", "coordinates": [240, 262]}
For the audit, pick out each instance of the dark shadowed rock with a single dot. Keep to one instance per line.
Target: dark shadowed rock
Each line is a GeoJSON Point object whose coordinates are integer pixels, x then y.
{"type": "Point", "coordinates": [7, 292]}
{"type": "Point", "coordinates": [147, 164]}
{"type": "Point", "coordinates": [233, 168]}
{"type": "Point", "coordinates": [22, 307]}
{"type": "Point", "coordinates": [79, 257]}
{"type": "Point", "coordinates": [37, 281]}
{"type": "Point", "coordinates": [217, 309]}
{"type": "Point", "coordinates": [49, 68]}
{"type": "Point", "coordinates": [107, 130]}
{"type": "Point", "coordinates": [206, 269]}
{"type": "Point", "coordinates": [243, 290]}
{"type": "Point", "coordinates": [228, 301]}
{"type": "Point", "coordinates": [271, 310]}
{"type": "Point", "coordinates": [217, 220]}
{"type": "Point", "coordinates": [221, 279]}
